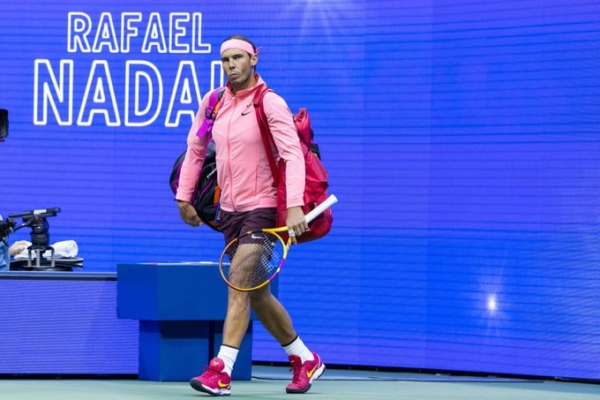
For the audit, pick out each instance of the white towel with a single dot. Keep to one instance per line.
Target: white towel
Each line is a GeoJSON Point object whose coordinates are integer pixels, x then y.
{"type": "Point", "coordinates": [63, 249]}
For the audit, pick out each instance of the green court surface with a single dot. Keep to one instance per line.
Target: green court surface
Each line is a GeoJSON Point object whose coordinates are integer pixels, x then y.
{"type": "Point", "coordinates": [270, 382]}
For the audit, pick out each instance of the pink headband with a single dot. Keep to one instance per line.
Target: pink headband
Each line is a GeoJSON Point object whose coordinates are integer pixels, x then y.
{"type": "Point", "coordinates": [238, 44]}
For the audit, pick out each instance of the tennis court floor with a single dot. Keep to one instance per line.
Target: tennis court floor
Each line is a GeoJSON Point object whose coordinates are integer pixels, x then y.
{"type": "Point", "coordinates": [270, 382]}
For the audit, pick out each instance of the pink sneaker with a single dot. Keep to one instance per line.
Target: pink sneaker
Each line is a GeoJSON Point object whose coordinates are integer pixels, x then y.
{"type": "Point", "coordinates": [304, 373]}
{"type": "Point", "coordinates": [213, 381]}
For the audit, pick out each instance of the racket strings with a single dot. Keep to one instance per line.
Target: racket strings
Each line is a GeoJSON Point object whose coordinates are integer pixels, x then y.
{"type": "Point", "coordinates": [254, 260]}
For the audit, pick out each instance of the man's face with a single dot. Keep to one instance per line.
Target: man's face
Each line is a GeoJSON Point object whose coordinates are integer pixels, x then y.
{"type": "Point", "coordinates": [238, 66]}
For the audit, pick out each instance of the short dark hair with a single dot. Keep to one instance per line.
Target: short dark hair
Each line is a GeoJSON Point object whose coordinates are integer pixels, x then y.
{"type": "Point", "coordinates": [240, 37]}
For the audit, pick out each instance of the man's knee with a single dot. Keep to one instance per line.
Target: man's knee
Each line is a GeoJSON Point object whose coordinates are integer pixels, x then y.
{"type": "Point", "coordinates": [260, 298]}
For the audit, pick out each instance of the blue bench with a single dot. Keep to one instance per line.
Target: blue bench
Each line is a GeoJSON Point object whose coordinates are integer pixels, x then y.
{"type": "Point", "coordinates": [181, 309]}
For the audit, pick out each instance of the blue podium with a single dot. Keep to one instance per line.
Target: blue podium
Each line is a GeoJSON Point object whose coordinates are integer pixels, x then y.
{"type": "Point", "coordinates": [181, 309]}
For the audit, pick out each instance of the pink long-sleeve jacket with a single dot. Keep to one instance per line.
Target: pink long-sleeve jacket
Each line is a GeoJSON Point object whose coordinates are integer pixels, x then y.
{"type": "Point", "coordinates": [243, 171]}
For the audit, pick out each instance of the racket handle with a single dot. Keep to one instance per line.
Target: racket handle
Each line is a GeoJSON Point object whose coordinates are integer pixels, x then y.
{"type": "Point", "coordinates": [331, 200]}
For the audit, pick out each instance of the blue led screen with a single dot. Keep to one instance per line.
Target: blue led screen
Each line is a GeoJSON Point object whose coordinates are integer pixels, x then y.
{"type": "Point", "coordinates": [462, 139]}
{"type": "Point", "coordinates": [63, 326]}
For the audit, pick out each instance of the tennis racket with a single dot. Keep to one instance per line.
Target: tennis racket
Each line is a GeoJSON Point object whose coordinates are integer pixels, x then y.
{"type": "Point", "coordinates": [254, 259]}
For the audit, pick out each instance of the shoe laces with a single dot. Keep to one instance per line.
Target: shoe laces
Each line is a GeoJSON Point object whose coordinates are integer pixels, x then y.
{"type": "Point", "coordinates": [296, 371]}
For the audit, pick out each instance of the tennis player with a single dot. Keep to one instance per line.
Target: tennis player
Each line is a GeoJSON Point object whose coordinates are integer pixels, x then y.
{"type": "Point", "coordinates": [248, 202]}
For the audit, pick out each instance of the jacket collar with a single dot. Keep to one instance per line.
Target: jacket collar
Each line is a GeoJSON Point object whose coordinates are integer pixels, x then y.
{"type": "Point", "coordinates": [246, 92]}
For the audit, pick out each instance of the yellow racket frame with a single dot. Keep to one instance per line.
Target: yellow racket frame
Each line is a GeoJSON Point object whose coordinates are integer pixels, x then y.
{"type": "Point", "coordinates": [285, 246]}
{"type": "Point", "coordinates": [331, 200]}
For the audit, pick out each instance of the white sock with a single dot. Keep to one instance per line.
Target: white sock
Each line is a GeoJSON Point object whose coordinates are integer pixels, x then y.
{"type": "Point", "coordinates": [228, 355]}
{"type": "Point", "coordinates": [298, 348]}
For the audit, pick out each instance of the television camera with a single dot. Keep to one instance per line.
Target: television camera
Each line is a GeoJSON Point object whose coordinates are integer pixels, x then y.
{"type": "Point", "coordinates": [40, 238]}
{"type": "Point", "coordinates": [6, 227]}
{"type": "Point", "coordinates": [3, 124]}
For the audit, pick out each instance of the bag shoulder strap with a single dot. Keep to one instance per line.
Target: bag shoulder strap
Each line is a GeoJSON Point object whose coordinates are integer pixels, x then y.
{"type": "Point", "coordinates": [214, 103]}
{"type": "Point", "coordinates": [265, 132]}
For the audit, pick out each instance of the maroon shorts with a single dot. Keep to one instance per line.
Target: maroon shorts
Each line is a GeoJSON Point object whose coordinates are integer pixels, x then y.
{"type": "Point", "coordinates": [233, 224]}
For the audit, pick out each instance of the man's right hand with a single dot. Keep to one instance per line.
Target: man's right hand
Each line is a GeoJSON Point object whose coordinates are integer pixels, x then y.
{"type": "Point", "coordinates": [188, 213]}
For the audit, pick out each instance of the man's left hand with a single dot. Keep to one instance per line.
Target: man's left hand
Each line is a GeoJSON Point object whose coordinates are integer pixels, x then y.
{"type": "Point", "coordinates": [296, 222]}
